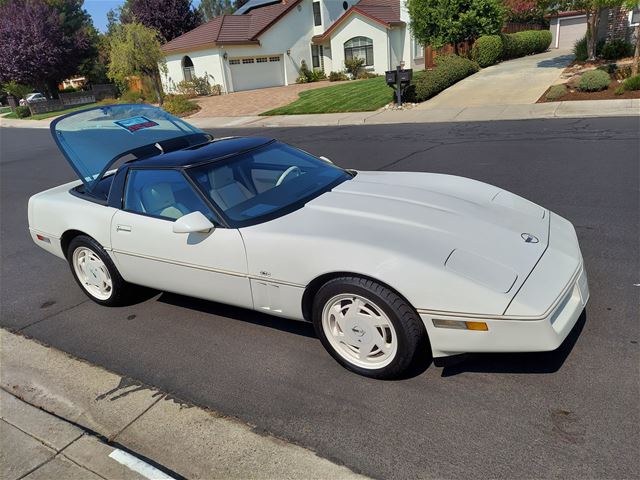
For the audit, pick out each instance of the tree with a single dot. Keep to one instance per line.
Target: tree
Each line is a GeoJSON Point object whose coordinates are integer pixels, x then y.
{"type": "Point", "coordinates": [134, 50]}
{"type": "Point", "coordinates": [42, 42]}
{"type": "Point", "coordinates": [439, 22]}
{"type": "Point", "coordinates": [214, 8]}
{"type": "Point", "coordinates": [593, 10]}
{"type": "Point", "coordinates": [170, 18]}
{"type": "Point", "coordinates": [523, 11]}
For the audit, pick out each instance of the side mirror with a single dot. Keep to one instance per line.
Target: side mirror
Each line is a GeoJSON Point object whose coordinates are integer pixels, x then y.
{"type": "Point", "coordinates": [325, 159]}
{"type": "Point", "coordinates": [192, 223]}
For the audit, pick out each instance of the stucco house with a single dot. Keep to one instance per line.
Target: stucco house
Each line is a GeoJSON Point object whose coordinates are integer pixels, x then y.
{"type": "Point", "coordinates": [264, 43]}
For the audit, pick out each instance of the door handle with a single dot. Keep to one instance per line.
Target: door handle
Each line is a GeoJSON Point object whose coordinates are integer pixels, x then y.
{"type": "Point", "coordinates": [123, 228]}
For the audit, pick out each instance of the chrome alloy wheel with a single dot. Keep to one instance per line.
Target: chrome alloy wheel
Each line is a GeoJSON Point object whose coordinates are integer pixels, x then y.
{"type": "Point", "coordinates": [359, 331]}
{"type": "Point", "coordinates": [92, 273]}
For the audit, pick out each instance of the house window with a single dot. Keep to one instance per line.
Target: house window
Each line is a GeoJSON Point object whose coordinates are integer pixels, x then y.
{"type": "Point", "coordinates": [234, 61]}
{"type": "Point", "coordinates": [317, 17]}
{"type": "Point", "coordinates": [359, 47]}
{"type": "Point", "coordinates": [188, 71]}
{"type": "Point", "coordinates": [634, 17]}
{"type": "Point", "coordinates": [247, 60]}
{"type": "Point", "coordinates": [316, 56]}
{"type": "Point", "coordinates": [261, 60]}
{"type": "Point", "coordinates": [274, 59]}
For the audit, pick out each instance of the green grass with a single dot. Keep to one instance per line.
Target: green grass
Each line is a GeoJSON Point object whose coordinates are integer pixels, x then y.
{"type": "Point", "coordinates": [42, 116]}
{"type": "Point", "coordinates": [4, 110]}
{"type": "Point", "coordinates": [354, 96]}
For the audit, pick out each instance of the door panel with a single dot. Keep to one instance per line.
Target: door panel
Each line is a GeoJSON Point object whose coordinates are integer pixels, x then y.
{"type": "Point", "coordinates": [211, 266]}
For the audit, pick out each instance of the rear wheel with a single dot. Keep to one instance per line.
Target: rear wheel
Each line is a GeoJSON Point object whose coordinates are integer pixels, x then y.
{"type": "Point", "coordinates": [95, 272]}
{"type": "Point", "coordinates": [367, 328]}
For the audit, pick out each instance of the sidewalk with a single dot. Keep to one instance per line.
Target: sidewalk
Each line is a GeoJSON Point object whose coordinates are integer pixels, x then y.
{"type": "Point", "coordinates": [524, 111]}
{"type": "Point", "coordinates": [87, 404]}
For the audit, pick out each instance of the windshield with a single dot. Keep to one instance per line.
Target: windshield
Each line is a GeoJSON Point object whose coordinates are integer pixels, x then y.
{"type": "Point", "coordinates": [265, 182]}
{"type": "Point", "coordinates": [93, 140]}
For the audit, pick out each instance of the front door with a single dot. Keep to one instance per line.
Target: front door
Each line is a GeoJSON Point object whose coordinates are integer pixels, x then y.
{"type": "Point", "coordinates": [211, 266]}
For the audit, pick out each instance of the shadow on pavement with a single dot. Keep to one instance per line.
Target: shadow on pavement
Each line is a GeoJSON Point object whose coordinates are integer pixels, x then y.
{"type": "Point", "coordinates": [556, 62]}
{"type": "Point", "coordinates": [304, 329]}
{"type": "Point", "coordinates": [543, 362]}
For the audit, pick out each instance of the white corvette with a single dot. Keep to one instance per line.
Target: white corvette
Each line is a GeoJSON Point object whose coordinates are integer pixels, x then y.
{"type": "Point", "coordinates": [382, 263]}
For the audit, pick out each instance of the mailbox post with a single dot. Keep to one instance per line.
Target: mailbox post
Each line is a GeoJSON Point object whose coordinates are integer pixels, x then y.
{"type": "Point", "coordinates": [399, 78]}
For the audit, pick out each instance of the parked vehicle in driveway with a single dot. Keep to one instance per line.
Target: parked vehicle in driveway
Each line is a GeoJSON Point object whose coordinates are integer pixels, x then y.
{"type": "Point", "coordinates": [32, 98]}
{"type": "Point", "coordinates": [380, 262]}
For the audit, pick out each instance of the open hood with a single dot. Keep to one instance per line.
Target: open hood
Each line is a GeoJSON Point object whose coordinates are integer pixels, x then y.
{"type": "Point", "coordinates": [93, 140]}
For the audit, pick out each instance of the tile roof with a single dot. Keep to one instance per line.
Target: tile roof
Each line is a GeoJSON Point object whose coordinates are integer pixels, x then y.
{"type": "Point", "coordinates": [231, 29]}
{"type": "Point", "coordinates": [385, 12]}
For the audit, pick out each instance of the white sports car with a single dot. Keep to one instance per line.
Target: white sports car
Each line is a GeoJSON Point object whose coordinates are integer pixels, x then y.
{"type": "Point", "coordinates": [382, 263]}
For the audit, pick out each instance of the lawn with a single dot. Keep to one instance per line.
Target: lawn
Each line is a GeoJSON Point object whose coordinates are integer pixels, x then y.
{"type": "Point", "coordinates": [42, 116]}
{"type": "Point", "coordinates": [354, 96]}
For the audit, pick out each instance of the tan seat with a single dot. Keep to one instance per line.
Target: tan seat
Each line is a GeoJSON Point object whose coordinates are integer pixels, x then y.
{"type": "Point", "coordinates": [159, 200]}
{"type": "Point", "coordinates": [225, 190]}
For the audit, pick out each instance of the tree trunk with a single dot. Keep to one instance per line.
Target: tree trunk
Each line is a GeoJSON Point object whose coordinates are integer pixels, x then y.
{"type": "Point", "coordinates": [593, 21]}
{"type": "Point", "coordinates": [636, 55]}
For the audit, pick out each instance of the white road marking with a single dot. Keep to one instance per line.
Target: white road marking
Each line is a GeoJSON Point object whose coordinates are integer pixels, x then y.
{"type": "Point", "coordinates": [137, 465]}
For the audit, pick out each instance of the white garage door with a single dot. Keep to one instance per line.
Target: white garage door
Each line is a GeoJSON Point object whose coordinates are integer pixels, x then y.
{"type": "Point", "coordinates": [256, 72]}
{"type": "Point", "coordinates": [571, 30]}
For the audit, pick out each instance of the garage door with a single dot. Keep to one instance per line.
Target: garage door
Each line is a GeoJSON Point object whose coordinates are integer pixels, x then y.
{"type": "Point", "coordinates": [571, 30]}
{"type": "Point", "coordinates": [248, 73]}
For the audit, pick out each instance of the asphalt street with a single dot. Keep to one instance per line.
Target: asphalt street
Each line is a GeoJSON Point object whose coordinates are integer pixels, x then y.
{"type": "Point", "coordinates": [573, 413]}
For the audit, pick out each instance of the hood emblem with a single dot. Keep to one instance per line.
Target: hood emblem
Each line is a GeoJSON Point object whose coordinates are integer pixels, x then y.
{"type": "Point", "coordinates": [528, 238]}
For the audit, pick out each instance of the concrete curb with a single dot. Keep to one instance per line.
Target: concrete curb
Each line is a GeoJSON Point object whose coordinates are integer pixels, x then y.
{"type": "Point", "coordinates": [185, 439]}
{"type": "Point", "coordinates": [424, 114]}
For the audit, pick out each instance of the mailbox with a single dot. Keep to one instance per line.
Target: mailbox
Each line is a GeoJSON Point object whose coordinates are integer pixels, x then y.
{"type": "Point", "coordinates": [391, 77]}
{"type": "Point", "coordinates": [405, 76]}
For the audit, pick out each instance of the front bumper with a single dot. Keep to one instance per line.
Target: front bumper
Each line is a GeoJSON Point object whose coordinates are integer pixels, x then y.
{"type": "Point", "coordinates": [559, 282]}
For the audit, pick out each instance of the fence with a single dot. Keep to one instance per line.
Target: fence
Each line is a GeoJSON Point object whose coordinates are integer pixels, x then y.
{"type": "Point", "coordinates": [102, 91]}
{"type": "Point", "coordinates": [66, 100]}
{"type": "Point", "coordinates": [513, 27]}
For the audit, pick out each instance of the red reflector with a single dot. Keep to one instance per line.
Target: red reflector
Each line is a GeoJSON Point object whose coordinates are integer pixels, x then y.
{"type": "Point", "coordinates": [44, 239]}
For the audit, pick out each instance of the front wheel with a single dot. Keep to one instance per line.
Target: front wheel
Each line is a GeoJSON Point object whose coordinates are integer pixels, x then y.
{"type": "Point", "coordinates": [367, 328]}
{"type": "Point", "coordinates": [95, 272]}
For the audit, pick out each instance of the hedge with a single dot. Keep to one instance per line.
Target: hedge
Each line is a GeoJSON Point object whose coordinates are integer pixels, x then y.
{"type": "Point", "coordinates": [490, 49]}
{"type": "Point", "coordinates": [487, 50]}
{"type": "Point", "coordinates": [449, 69]}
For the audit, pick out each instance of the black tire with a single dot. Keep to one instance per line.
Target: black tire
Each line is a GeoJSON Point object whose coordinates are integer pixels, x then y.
{"type": "Point", "coordinates": [410, 331]}
{"type": "Point", "coordinates": [120, 289]}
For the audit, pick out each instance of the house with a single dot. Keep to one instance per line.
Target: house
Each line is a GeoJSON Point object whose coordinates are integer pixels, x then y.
{"type": "Point", "coordinates": [264, 43]}
{"type": "Point", "coordinates": [615, 23]}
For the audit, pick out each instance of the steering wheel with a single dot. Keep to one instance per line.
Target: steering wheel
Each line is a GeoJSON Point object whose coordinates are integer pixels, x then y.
{"type": "Point", "coordinates": [288, 172]}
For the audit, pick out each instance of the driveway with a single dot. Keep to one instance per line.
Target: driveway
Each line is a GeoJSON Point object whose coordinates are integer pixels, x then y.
{"type": "Point", "coordinates": [519, 81]}
{"type": "Point", "coordinates": [252, 102]}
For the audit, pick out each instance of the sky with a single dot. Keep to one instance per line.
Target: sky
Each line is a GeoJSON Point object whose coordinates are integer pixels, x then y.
{"type": "Point", "coordinates": [98, 10]}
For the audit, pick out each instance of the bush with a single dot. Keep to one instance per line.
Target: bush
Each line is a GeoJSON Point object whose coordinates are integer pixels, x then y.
{"type": "Point", "coordinates": [23, 111]}
{"type": "Point", "coordinates": [487, 50]}
{"type": "Point", "coordinates": [179, 105]}
{"type": "Point", "coordinates": [580, 49]}
{"type": "Point", "coordinates": [70, 89]}
{"type": "Point", "coordinates": [556, 92]}
{"type": "Point", "coordinates": [130, 96]}
{"type": "Point", "coordinates": [449, 70]}
{"type": "Point", "coordinates": [594, 81]}
{"type": "Point", "coordinates": [307, 75]}
{"type": "Point", "coordinates": [197, 86]}
{"type": "Point", "coordinates": [337, 76]}
{"type": "Point", "coordinates": [363, 75]}
{"type": "Point", "coordinates": [353, 66]}
{"type": "Point", "coordinates": [616, 49]}
{"type": "Point", "coordinates": [632, 83]}
{"type": "Point", "coordinates": [524, 43]}
{"type": "Point", "coordinates": [619, 90]}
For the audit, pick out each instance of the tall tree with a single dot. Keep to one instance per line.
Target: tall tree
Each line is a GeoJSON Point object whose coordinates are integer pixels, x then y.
{"type": "Point", "coordinates": [439, 22]}
{"type": "Point", "coordinates": [134, 50]}
{"type": "Point", "coordinates": [170, 18]}
{"type": "Point", "coordinates": [43, 42]}
{"type": "Point", "coordinates": [214, 8]}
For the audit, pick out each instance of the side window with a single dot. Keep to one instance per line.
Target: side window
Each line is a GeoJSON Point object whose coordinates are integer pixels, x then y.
{"type": "Point", "coordinates": [164, 194]}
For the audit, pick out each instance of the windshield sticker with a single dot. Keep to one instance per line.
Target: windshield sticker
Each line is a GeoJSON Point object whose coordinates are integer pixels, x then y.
{"type": "Point", "coordinates": [136, 123]}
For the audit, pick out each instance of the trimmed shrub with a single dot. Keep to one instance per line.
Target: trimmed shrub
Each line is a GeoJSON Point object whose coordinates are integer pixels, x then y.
{"type": "Point", "coordinates": [524, 43]}
{"type": "Point", "coordinates": [353, 66]}
{"type": "Point", "coordinates": [449, 69]}
{"type": "Point", "coordinates": [619, 90]}
{"type": "Point", "coordinates": [594, 81]}
{"type": "Point", "coordinates": [23, 111]}
{"type": "Point", "coordinates": [179, 105]}
{"type": "Point", "coordinates": [363, 75]}
{"type": "Point", "coordinates": [337, 76]}
{"type": "Point", "coordinates": [616, 49]}
{"type": "Point", "coordinates": [556, 92]}
{"type": "Point", "coordinates": [487, 50]}
{"type": "Point", "coordinates": [632, 83]}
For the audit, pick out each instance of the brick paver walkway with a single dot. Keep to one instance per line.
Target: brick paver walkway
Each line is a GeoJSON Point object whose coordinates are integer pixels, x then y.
{"type": "Point", "coordinates": [252, 102]}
